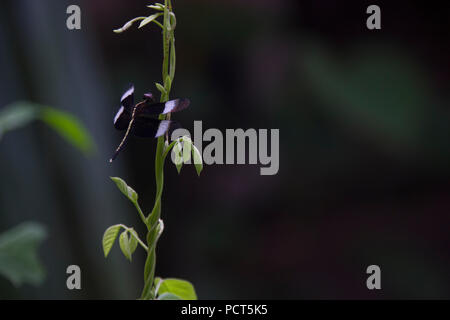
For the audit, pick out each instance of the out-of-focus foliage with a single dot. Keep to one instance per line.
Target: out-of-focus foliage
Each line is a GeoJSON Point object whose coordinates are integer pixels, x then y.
{"type": "Point", "coordinates": [382, 90]}
{"type": "Point", "coordinates": [69, 128]}
{"type": "Point", "coordinates": [18, 246]}
{"type": "Point", "coordinates": [18, 254]}
{"type": "Point", "coordinates": [19, 114]}
{"type": "Point", "coordinates": [16, 116]}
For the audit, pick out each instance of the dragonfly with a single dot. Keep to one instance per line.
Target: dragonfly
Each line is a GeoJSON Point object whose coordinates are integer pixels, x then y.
{"type": "Point", "coordinates": [141, 119]}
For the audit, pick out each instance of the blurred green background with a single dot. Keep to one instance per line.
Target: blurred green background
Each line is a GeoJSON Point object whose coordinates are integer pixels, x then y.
{"type": "Point", "coordinates": [364, 160]}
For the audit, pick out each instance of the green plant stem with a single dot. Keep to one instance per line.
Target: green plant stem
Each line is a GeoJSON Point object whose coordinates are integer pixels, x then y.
{"type": "Point", "coordinates": [152, 220]}
{"type": "Point", "coordinates": [157, 23]}
{"type": "Point", "coordinates": [141, 214]}
{"type": "Point", "coordinates": [142, 244]}
{"type": "Point", "coordinates": [168, 148]}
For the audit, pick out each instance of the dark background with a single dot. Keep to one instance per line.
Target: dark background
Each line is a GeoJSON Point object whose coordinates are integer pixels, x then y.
{"type": "Point", "coordinates": [364, 160]}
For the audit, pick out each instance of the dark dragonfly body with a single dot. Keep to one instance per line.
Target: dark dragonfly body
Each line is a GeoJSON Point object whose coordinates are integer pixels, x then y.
{"type": "Point", "coordinates": [139, 120]}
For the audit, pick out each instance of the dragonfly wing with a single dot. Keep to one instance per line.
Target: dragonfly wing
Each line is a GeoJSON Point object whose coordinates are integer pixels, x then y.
{"type": "Point", "coordinates": [149, 97]}
{"type": "Point", "coordinates": [149, 109]}
{"type": "Point", "coordinates": [122, 119]}
{"type": "Point", "coordinates": [127, 99]}
{"type": "Point", "coordinates": [151, 128]}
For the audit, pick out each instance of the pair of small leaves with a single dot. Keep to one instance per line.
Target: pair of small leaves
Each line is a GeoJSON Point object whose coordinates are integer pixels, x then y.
{"type": "Point", "coordinates": [144, 20]}
{"type": "Point", "coordinates": [183, 149]}
{"type": "Point", "coordinates": [127, 241]}
{"type": "Point", "coordinates": [174, 289]}
{"type": "Point", "coordinates": [149, 19]}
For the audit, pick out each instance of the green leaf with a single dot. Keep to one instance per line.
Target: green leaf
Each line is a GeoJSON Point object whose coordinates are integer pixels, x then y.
{"type": "Point", "coordinates": [156, 6]}
{"type": "Point", "coordinates": [178, 166]}
{"type": "Point", "coordinates": [133, 240]}
{"type": "Point", "coordinates": [16, 116]}
{"type": "Point", "coordinates": [160, 88]}
{"type": "Point", "coordinates": [128, 25]}
{"type": "Point", "coordinates": [125, 189]}
{"type": "Point", "coordinates": [187, 147]}
{"type": "Point", "coordinates": [197, 158]}
{"type": "Point", "coordinates": [18, 254]}
{"type": "Point", "coordinates": [187, 150]}
{"type": "Point", "coordinates": [69, 127]}
{"type": "Point", "coordinates": [149, 19]}
{"type": "Point", "coordinates": [177, 149]}
{"type": "Point", "coordinates": [181, 288]}
{"type": "Point", "coordinates": [157, 283]}
{"type": "Point", "coordinates": [109, 237]}
{"type": "Point", "coordinates": [169, 296]}
{"type": "Point", "coordinates": [124, 243]}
